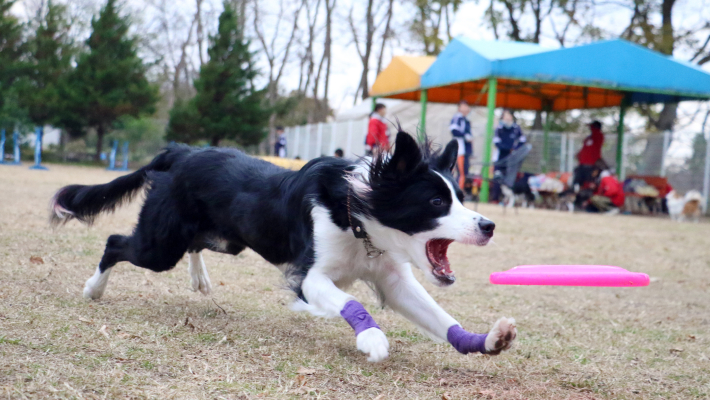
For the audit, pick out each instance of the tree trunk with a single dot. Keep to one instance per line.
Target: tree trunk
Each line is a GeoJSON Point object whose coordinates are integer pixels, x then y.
{"type": "Point", "coordinates": [385, 36]}
{"type": "Point", "coordinates": [653, 153]}
{"type": "Point", "coordinates": [200, 36]}
{"type": "Point", "coordinates": [368, 49]}
{"type": "Point", "coordinates": [328, 45]}
{"type": "Point", "coordinates": [99, 142]}
{"type": "Point", "coordinates": [215, 141]}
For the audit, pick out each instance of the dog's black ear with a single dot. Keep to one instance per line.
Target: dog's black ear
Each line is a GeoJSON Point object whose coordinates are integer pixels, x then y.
{"type": "Point", "coordinates": [407, 155]}
{"type": "Point", "coordinates": [447, 160]}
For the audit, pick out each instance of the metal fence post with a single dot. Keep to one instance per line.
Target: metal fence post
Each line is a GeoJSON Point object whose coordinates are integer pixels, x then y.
{"type": "Point", "coordinates": [365, 131]}
{"type": "Point", "coordinates": [349, 145]}
{"type": "Point", "coordinates": [570, 153]}
{"type": "Point", "coordinates": [563, 152]}
{"type": "Point", "coordinates": [297, 133]}
{"type": "Point", "coordinates": [624, 155]}
{"type": "Point", "coordinates": [319, 140]}
{"type": "Point", "coordinates": [666, 142]}
{"type": "Point", "coordinates": [332, 138]}
{"type": "Point", "coordinates": [308, 143]}
{"type": "Point", "coordinates": [706, 175]}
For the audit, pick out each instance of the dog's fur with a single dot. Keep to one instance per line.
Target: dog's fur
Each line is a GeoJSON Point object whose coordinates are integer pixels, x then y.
{"type": "Point", "coordinates": [682, 207]}
{"type": "Point", "coordinates": [226, 201]}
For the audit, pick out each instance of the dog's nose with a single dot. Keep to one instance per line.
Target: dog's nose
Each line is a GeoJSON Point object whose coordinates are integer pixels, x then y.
{"type": "Point", "coordinates": [487, 226]}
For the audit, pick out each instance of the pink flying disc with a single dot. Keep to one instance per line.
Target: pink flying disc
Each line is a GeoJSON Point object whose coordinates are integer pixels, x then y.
{"type": "Point", "coordinates": [569, 275]}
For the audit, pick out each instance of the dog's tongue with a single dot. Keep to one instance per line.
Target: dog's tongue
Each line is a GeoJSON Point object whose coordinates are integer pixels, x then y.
{"type": "Point", "coordinates": [436, 252]}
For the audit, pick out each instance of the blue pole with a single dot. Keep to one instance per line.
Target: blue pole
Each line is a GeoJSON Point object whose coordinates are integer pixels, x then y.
{"type": "Point", "coordinates": [16, 149]}
{"type": "Point", "coordinates": [112, 156]}
{"type": "Point", "coordinates": [125, 156]}
{"type": "Point", "coordinates": [2, 146]}
{"type": "Point", "coordinates": [39, 132]}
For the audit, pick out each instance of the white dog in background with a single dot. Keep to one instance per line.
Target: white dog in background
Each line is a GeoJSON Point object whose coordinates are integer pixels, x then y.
{"type": "Point", "coordinates": [685, 207]}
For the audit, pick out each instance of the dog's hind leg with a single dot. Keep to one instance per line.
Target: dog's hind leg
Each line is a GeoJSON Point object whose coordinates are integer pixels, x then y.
{"type": "Point", "coordinates": [199, 278]}
{"type": "Point", "coordinates": [115, 252]}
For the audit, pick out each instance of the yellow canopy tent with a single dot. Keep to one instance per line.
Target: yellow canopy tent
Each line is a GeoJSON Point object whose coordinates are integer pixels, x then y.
{"type": "Point", "coordinates": [402, 78]}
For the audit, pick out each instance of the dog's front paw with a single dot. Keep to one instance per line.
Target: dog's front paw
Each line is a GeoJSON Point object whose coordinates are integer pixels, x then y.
{"type": "Point", "coordinates": [373, 342]}
{"type": "Point", "coordinates": [501, 337]}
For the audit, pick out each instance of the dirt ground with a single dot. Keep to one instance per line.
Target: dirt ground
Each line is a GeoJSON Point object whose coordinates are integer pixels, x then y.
{"type": "Point", "coordinates": [150, 336]}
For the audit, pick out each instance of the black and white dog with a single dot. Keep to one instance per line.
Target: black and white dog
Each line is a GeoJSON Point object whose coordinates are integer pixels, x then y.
{"type": "Point", "coordinates": [325, 226]}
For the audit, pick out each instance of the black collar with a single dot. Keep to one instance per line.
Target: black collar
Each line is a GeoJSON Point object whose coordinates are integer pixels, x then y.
{"type": "Point", "coordinates": [355, 224]}
{"type": "Point", "coordinates": [359, 231]}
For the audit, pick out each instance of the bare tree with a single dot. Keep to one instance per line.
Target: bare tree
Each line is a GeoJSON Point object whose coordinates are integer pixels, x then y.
{"type": "Point", "coordinates": [386, 34]}
{"type": "Point", "coordinates": [325, 59]}
{"type": "Point", "coordinates": [569, 9]}
{"type": "Point", "coordinates": [277, 55]}
{"type": "Point", "coordinates": [312, 18]}
{"type": "Point", "coordinates": [367, 42]}
{"type": "Point", "coordinates": [200, 30]}
{"type": "Point", "coordinates": [426, 26]}
{"type": "Point", "coordinates": [328, 44]}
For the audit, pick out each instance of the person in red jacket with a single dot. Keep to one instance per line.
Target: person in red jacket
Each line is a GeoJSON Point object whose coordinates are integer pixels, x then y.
{"type": "Point", "coordinates": [377, 136]}
{"type": "Point", "coordinates": [609, 195]}
{"type": "Point", "coordinates": [590, 156]}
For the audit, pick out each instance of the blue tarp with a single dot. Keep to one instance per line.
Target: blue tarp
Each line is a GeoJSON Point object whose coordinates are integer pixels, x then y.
{"type": "Point", "coordinates": [614, 66]}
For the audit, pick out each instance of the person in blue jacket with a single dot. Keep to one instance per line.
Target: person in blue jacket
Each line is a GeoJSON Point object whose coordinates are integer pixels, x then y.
{"type": "Point", "coordinates": [508, 135]}
{"type": "Point", "coordinates": [460, 128]}
{"type": "Point", "coordinates": [280, 145]}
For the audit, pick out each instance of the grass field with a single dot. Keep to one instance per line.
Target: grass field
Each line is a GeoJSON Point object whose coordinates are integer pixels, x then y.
{"type": "Point", "coordinates": [151, 337]}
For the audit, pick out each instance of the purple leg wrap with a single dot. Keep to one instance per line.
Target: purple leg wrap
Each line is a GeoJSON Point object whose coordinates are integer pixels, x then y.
{"type": "Point", "coordinates": [466, 342]}
{"type": "Point", "coordinates": [358, 318]}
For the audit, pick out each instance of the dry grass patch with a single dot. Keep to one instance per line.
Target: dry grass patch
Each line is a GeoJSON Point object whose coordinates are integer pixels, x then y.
{"type": "Point", "coordinates": [151, 337]}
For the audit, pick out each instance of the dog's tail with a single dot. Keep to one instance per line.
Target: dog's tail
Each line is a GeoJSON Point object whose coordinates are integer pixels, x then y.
{"type": "Point", "coordinates": [84, 202]}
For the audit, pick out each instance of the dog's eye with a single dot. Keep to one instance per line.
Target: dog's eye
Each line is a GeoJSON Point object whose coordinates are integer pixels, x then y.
{"type": "Point", "coordinates": [436, 202]}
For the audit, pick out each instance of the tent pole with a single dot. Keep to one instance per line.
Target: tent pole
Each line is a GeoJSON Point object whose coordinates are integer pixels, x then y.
{"type": "Point", "coordinates": [485, 171]}
{"type": "Point", "coordinates": [422, 121]}
{"type": "Point", "coordinates": [546, 138]}
{"type": "Point", "coordinates": [706, 174]}
{"type": "Point", "coordinates": [620, 137]}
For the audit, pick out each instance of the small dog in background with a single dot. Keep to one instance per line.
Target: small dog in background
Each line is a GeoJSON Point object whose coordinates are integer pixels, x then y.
{"type": "Point", "coordinates": [682, 207]}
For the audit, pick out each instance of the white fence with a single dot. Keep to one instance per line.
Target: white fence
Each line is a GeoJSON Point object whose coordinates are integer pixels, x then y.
{"type": "Point", "coordinates": [310, 141]}
{"type": "Point", "coordinates": [643, 154]}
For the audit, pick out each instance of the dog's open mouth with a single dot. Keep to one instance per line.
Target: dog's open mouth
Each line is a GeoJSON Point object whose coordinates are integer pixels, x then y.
{"type": "Point", "coordinates": [436, 252]}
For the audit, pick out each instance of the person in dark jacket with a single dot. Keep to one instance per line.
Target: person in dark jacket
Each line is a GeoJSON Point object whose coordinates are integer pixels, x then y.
{"type": "Point", "coordinates": [460, 128]}
{"type": "Point", "coordinates": [280, 145]}
{"type": "Point", "coordinates": [508, 135]}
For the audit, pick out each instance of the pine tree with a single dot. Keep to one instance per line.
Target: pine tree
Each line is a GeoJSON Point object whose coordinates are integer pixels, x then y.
{"type": "Point", "coordinates": [184, 125]}
{"type": "Point", "coordinates": [50, 55]}
{"type": "Point", "coordinates": [11, 66]}
{"type": "Point", "coordinates": [227, 105]}
{"type": "Point", "coordinates": [110, 79]}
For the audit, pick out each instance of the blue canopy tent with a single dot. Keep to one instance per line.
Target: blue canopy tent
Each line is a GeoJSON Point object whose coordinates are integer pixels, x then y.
{"type": "Point", "coordinates": [530, 77]}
